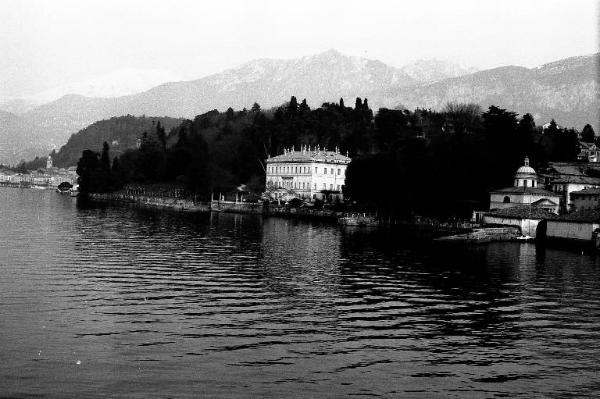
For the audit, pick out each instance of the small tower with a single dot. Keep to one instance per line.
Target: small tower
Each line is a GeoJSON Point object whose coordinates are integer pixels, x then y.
{"type": "Point", "coordinates": [49, 162]}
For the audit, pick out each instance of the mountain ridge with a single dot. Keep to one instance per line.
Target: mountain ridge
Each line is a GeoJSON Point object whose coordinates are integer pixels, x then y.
{"type": "Point", "coordinates": [564, 89]}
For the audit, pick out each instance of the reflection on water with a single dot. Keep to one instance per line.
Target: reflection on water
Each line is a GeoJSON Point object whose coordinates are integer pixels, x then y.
{"type": "Point", "coordinates": [125, 302]}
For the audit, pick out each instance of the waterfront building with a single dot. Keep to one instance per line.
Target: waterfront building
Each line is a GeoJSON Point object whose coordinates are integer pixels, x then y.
{"type": "Point", "coordinates": [563, 178]}
{"type": "Point", "coordinates": [530, 220]}
{"type": "Point", "coordinates": [309, 173]}
{"type": "Point", "coordinates": [586, 199]}
{"type": "Point", "coordinates": [581, 226]}
{"type": "Point", "coordinates": [525, 191]}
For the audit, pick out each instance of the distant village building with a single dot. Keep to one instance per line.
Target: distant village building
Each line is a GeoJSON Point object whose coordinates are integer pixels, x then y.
{"type": "Point", "coordinates": [588, 152]}
{"type": "Point", "coordinates": [525, 191]}
{"type": "Point", "coordinates": [566, 177]}
{"type": "Point", "coordinates": [586, 199]}
{"type": "Point", "coordinates": [310, 173]}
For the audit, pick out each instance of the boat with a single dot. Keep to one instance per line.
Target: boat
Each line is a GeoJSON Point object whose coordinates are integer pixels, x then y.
{"type": "Point", "coordinates": [524, 237]}
{"type": "Point", "coordinates": [74, 191]}
{"type": "Point", "coordinates": [358, 220]}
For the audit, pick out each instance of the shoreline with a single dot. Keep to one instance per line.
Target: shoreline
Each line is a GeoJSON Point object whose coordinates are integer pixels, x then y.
{"type": "Point", "coordinates": [419, 228]}
{"type": "Point", "coordinates": [188, 205]}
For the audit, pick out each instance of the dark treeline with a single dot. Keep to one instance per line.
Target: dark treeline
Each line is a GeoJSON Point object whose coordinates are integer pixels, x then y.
{"type": "Point", "coordinates": [440, 163]}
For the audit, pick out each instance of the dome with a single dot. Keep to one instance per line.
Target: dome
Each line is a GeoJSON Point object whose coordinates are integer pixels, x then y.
{"type": "Point", "coordinates": [525, 171]}
{"type": "Point", "coordinates": [526, 175]}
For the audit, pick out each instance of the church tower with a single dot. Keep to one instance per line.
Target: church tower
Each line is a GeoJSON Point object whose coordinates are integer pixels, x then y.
{"type": "Point", "coordinates": [49, 162]}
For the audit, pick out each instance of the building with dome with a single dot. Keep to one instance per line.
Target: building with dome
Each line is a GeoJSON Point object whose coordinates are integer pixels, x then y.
{"type": "Point", "coordinates": [525, 191]}
{"type": "Point", "coordinates": [309, 173]}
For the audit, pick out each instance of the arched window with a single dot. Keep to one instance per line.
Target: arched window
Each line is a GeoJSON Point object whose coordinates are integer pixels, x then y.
{"type": "Point", "coordinates": [507, 199]}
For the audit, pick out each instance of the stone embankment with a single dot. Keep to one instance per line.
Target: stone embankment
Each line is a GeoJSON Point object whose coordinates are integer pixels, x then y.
{"type": "Point", "coordinates": [484, 235]}
{"type": "Point", "coordinates": [178, 204]}
{"type": "Point", "coordinates": [183, 204]}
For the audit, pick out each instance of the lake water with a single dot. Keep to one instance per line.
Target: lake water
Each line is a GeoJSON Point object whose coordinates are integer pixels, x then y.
{"type": "Point", "coordinates": [119, 302]}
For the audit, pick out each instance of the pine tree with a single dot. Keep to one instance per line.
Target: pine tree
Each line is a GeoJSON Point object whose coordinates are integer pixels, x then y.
{"type": "Point", "coordinates": [304, 108]}
{"type": "Point", "coordinates": [358, 104]}
{"type": "Point", "coordinates": [162, 135]}
{"type": "Point", "coordinates": [587, 134]}
{"type": "Point", "coordinates": [293, 106]}
{"type": "Point", "coordinates": [105, 157]}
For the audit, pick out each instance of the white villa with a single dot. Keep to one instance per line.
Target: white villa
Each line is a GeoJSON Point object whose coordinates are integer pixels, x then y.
{"type": "Point", "coordinates": [310, 173]}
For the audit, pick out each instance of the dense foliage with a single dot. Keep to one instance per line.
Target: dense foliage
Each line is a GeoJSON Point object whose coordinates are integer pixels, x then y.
{"type": "Point", "coordinates": [120, 132]}
{"type": "Point", "coordinates": [439, 163]}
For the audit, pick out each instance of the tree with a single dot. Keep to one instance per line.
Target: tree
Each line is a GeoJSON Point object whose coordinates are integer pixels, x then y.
{"type": "Point", "coordinates": [303, 108]}
{"type": "Point", "coordinates": [87, 168]}
{"type": "Point", "coordinates": [342, 103]}
{"type": "Point", "coordinates": [292, 108]}
{"type": "Point", "coordinates": [358, 104]}
{"type": "Point", "coordinates": [587, 134]}
{"type": "Point", "coordinates": [161, 135]}
{"type": "Point", "coordinates": [255, 108]}
{"type": "Point", "coordinates": [105, 157]}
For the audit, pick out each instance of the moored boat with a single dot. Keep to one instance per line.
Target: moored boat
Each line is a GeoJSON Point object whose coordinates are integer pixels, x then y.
{"type": "Point", "coordinates": [358, 220]}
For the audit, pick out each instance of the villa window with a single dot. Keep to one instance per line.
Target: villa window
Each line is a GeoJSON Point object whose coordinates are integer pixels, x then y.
{"type": "Point", "coordinates": [506, 199]}
{"type": "Point", "coordinates": [339, 171]}
{"type": "Point", "coordinates": [331, 170]}
{"type": "Point", "coordinates": [325, 171]}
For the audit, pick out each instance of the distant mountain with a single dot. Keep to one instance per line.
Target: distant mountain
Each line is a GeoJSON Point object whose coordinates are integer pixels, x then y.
{"type": "Point", "coordinates": [426, 71]}
{"type": "Point", "coordinates": [121, 133]}
{"type": "Point", "coordinates": [18, 106]}
{"type": "Point", "coordinates": [115, 84]}
{"type": "Point", "coordinates": [18, 139]}
{"type": "Point", "coordinates": [566, 90]}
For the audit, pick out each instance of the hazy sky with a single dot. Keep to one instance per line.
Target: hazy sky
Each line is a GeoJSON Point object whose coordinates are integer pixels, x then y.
{"type": "Point", "coordinates": [44, 44]}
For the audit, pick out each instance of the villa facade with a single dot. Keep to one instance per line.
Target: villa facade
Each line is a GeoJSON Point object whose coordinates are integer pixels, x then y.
{"type": "Point", "coordinates": [309, 173]}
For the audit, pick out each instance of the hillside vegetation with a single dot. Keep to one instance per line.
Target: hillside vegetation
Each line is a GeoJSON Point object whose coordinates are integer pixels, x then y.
{"type": "Point", "coordinates": [120, 132]}
{"type": "Point", "coordinates": [432, 162]}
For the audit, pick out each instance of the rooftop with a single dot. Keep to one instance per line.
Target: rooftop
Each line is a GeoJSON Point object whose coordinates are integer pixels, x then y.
{"type": "Point", "coordinates": [524, 212]}
{"type": "Point", "coordinates": [587, 191]}
{"type": "Point", "coordinates": [576, 180]}
{"type": "Point", "coordinates": [308, 154]}
{"type": "Point", "coordinates": [525, 190]}
{"type": "Point", "coordinates": [588, 215]}
{"type": "Point", "coordinates": [567, 168]}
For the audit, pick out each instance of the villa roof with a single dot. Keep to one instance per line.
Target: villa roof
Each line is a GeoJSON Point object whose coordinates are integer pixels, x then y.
{"type": "Point", "coordinates": [588, 215]}
{"type": "Point", "coordinates": [577, 180]}
{"type": "Point", "coordinates": [310, 155]}
{"type": "Point", "coordinates": [522, 212]}
{"type": "Point", "coordinates": [586, 191]}
{"type": "Point", "coordinates": [567, 168]}
{"type": "Point", "coordinates": [525, 190]}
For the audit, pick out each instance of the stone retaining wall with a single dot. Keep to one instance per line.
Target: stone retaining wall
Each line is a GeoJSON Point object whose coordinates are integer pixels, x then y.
{"type": "Point", "coordinates": [152, 202]}
{"type": "Point", "coordinates": [484, 235]}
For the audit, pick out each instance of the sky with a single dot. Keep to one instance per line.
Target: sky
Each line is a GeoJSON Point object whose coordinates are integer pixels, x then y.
{"type": "Point", "coordinates": [46, 44]}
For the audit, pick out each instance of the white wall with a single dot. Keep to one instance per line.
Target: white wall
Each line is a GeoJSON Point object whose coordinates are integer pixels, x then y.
{"type": "Point", "coordinates": [527, 226]}
{"type": "Point", "coordinates": [570, 230]}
